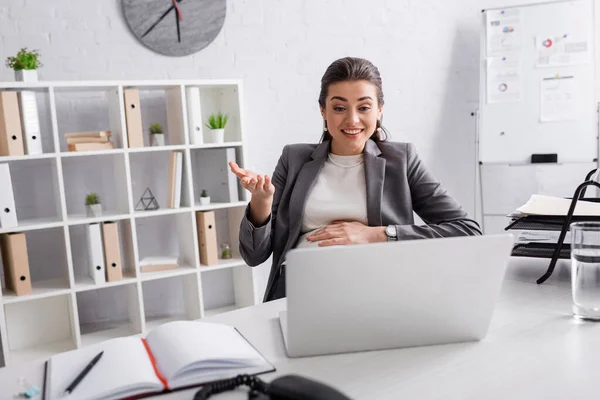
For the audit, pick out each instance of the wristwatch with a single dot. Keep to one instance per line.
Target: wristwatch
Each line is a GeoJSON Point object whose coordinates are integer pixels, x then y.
{"type": "Point", "coordinates": [391, 233]}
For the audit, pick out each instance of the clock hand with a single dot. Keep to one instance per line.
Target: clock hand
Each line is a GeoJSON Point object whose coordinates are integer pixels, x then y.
{"type": "Point", "coordinates": [160, 19]}
{"type": "Point", "coordinates": [177, 22]}
{"type": "Point", "coordinates": [177, 8]}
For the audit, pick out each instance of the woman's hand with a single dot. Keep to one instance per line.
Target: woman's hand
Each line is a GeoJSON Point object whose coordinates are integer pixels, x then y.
{"type": "Point", "coordinates": [260, 186]}
{"type": "Point", "coordinates": [341, 233]}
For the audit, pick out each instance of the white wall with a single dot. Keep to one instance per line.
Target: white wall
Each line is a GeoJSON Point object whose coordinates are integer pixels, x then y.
{"type": "Point", "coordinates": [426, 50]}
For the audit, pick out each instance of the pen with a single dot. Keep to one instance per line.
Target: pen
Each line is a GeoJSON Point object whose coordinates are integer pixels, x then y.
{"type": "Point", "coordinates": [83, 373]}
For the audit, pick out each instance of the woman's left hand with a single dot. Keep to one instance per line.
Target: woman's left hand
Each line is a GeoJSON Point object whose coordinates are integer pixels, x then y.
{"type": "Point", "coordinates": [341, 233]}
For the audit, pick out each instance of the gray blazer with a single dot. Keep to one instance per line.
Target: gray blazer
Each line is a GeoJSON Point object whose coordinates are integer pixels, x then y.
{"type": "Point", "coordinates": [397, 183]}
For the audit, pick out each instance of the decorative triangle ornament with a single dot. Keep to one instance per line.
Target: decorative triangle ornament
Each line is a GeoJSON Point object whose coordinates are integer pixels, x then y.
{"type": "Point", "coordinates": [147, 201]}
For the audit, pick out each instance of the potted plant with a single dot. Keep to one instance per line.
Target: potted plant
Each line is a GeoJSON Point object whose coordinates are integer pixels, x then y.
{"type": "Point", "coordinates": [216, 125]}
{"type": "Point", "coordinates": [204, 198]}
{"type": "Point", "coordinates": [92, 205]}
{"type": "Point", "coordinates": [157, 135]}
{"type": "Point", "coordinates": [25, 65]}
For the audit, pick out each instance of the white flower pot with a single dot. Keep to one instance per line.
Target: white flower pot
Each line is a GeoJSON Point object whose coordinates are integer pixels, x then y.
{"type": "Point", "coordinates": [217, 135]}
{"type": "Point", "coordinates": [205, 201]}
{"type": "Point", "coordinates": [158, 139]}
{"type": "Point", "coordinates": [94, 210]}
{"type": "Point", "coordinates": [26, 75]}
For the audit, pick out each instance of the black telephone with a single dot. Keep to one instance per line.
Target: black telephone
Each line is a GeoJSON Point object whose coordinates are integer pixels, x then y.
{"type": "Point", "coordinates": [288, 387]}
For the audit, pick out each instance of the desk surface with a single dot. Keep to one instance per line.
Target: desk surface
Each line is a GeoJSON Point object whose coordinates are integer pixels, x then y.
{"type": "Point", "coordinates": [534, 349]}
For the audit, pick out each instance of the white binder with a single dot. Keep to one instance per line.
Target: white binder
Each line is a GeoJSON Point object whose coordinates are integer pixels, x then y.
{"type": "Point", "coordinates": [8, 211]}
{"type": "Point", "coordinates": [30, 122]}
{"type": "Point", "coordinates": [194, 115]}
{"type": "Point", "coordinates": [95, 254]}
{"type": "Point", "coordinates": [214, 174]}
{"type": "Point", "coordinates": [178, 179]}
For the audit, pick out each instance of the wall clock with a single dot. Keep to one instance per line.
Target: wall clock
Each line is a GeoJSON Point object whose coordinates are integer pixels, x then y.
{"type": "Point", "coordinates": [175, 27]}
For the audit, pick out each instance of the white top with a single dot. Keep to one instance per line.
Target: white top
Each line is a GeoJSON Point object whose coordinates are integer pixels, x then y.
{"type": "Point", "coordinates": [340, 193]}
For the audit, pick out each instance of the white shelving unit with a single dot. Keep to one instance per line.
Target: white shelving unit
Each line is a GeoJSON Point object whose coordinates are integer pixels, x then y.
{"type": "Point", "coordinates": [66, 310]}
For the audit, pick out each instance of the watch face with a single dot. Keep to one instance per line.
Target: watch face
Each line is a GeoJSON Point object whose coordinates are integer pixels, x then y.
{"type": "Point", "coordinates": [175, 27]}
{"type": "Point", "coordinates": [390, 230]}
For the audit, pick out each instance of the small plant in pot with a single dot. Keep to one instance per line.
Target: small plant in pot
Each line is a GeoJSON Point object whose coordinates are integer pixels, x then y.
{"type": "Point", "coordinates": [25, 65]}
{"type": "Point", "coordinates": [92, 205]}
{"type": "Point", "coordinates": [216, 125]}
{"type": "Point", "coordinates": [157, 135]}
{"type": "Point", "coordinates": [204, 198]}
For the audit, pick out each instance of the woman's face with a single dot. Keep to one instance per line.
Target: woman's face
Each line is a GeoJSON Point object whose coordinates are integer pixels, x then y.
{"type": "Point", "coordinates": [351, 111]}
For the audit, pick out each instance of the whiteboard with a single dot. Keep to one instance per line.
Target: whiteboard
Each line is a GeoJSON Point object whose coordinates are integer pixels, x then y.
{"type": "Point", "coordinates": [545, 55]}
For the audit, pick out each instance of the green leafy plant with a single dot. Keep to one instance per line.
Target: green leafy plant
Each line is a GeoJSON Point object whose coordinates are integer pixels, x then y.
{"type": "Point", "coordinates": [156, 129]}
{"type": "Point", "coordinates": [92, 199]}
{"type": "Point", "coordinates": [203, 194]}
{"type": "Point", "coordinates": [217, 121]}
{"type": "Point", "coordinates": [24, 60]}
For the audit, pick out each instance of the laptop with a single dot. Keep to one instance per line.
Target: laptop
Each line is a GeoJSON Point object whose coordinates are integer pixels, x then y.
{"type": "Point", "coordinates": [391, 295]}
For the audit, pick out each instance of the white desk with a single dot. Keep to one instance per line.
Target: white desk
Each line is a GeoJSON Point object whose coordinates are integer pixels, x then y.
{"type": "Point", "coordinates": [534, 350]}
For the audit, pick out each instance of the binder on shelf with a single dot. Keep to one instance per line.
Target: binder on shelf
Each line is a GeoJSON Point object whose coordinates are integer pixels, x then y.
{"type": "Point", "coordinates": [175, 178]}
{"type": "Point", "coordinates": [30, 122]}
{"type": "Point", "coordinates": [96, 257]}
{"type": "Point", "coordinates": [194, 112]}
{"type": "Point", "coordinates": [11, 134]}
{"type": "Point", "coordinates": [207, 237]}
{"type": "Point", "coordinates": [212, 170]}
{"type": "Point", "coordinates": [90, 146]}
{"type": "Point", "coordinates": [16, 263]}
{"type": "Point", "coordinates": [112, 251]}
{"type": "Point", "coordinates": [8, 211]}
{"type": "Point", "coordinates": [174, 107]}
{"type": "Point", "coordinates": [133, 117]}
{"type": "Point", "coordinates": [153, 264]}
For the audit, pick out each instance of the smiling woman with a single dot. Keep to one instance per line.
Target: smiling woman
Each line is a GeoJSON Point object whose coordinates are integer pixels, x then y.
{"type": "Point", "coordinates": [175, 27]}
{"type": "Point", "coordinates": [353, 187]}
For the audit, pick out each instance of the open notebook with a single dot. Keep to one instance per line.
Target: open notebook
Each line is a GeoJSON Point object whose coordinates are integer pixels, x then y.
{"type": "Point", "coordinates": [173, 356]}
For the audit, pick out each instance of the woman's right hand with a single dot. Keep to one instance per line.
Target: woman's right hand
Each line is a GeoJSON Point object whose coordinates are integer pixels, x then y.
{"type": "Point", "coordinates": [260, 186]}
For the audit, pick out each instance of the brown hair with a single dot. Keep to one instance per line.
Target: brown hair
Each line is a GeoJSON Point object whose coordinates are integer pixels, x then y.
{"type": "Point", "coordinates": [353, 69]}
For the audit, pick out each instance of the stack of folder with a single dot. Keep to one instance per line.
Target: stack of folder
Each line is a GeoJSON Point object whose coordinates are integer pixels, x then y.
{"type": "Point", "coordinates": [104, 252]}
{"type": "Point", "coordinates": [86, 141]}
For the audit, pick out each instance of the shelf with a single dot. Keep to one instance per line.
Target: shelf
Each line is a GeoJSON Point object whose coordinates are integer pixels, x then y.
{"type": "Point", "coordinates": [96, 333]}
{"type": "Point", "coordinates": [69, 154]}
{"type": "Point", "coordinates": [181, 270]}
{"type": "Point", "coordinates": [223, 264]}
{"type": "Point", "coordinates": [150, 149]}
{"type": "Point", "coordinates": [216, 206]}
{"type": "Point", "coordinates": [215, 145]}
{"type": "Point", "coordinates": [161, 212]}
{"type": "Point", "coordinates": [83, 283]}
{"type": "Point", "coordinates": [26, 157]}
{"type": "Point", "coordinates": [108, 313]}
{"type": "Point", "coordinates": [66, 309]}
{"type": "Point", "coordinates": [34, 224]}
{"type": "Point", "coordinates": [79, 219]}
{"type": "Point", "coordinates": [39, 290]}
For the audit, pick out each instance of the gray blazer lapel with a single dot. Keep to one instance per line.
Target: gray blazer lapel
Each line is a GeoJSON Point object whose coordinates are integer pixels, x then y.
{"type": "Point", "coordinates": [304, 182]}
{"type": "Point", "coordinates": [374, 175]}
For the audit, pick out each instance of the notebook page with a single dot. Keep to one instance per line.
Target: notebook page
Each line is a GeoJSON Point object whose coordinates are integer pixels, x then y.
{"type": "Point", "coordinates": [123, 369]}
{"type": "Point", "coordinates": [187, 344]}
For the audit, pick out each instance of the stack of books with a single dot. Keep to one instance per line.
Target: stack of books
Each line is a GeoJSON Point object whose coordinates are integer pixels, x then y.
{"type": "Point", "coordinates": [86, 141]}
